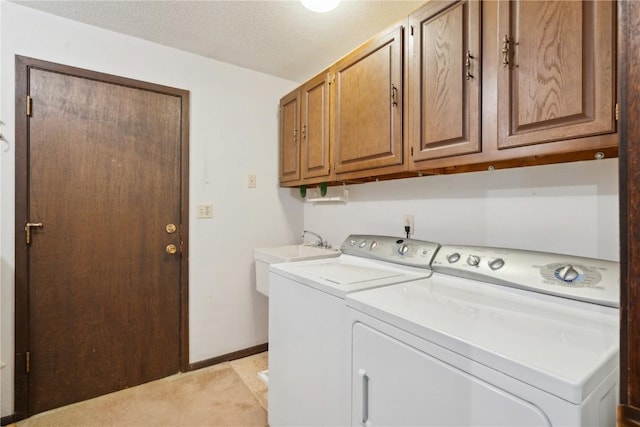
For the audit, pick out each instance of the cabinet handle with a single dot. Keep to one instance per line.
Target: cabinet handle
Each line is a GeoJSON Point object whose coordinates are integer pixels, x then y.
{"type": "Point", "coordinates": [505, 51]}
{"type": "Point", "coordinates": [467, 64]}
{"type": "Point", "coordinates": [394, 95]}
{"type": "Point", "coordinates": [365, 397]}
{"type": "Point", "coordinates": [304, 132]}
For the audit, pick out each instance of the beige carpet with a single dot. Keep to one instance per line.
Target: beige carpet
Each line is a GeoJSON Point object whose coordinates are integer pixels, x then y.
{"type": "Point", "coordinates": [221, 395]}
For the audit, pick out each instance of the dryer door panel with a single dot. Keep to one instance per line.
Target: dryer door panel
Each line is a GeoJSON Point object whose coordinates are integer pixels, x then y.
{"type": "Point", "coordinates": [395, 384]}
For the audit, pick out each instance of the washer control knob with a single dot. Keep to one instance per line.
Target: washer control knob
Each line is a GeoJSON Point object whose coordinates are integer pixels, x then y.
{"type": "Point", "coordinates": [473, 260]}
{"type": "Point", "coordinates": [362, 244]}
{"type": "Point", "coordinates": [402, 250]}
{"type": "Point", "coordinates": [496, 263]}
{"type": "Point", "coordinates": [374, 245]}
{"type": "Point", "coordinates": [353, 242]}
{"type": "Point", "coordinates": [567, 273]}
{"type": "Point", "coordinates": [453, 257]}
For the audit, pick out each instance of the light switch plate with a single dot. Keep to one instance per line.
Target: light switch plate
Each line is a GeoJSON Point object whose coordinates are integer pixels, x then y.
{"type": "Point", "coordinates": [205, 210]}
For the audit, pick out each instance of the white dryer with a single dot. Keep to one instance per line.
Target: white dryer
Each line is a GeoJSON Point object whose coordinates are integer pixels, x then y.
{"type": "Point", "coordinates": [494, 337]}
{"type": "Point", "coordinates": [309, 381]}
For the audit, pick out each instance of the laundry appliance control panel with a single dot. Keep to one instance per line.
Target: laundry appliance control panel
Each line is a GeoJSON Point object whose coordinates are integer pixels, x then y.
{"type": "Point", "coordinates": [585, 279]}
{"type": "Point", "coordinates": [410, 252]}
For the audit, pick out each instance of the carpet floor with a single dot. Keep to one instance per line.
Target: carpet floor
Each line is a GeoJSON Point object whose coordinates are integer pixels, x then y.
{"type": "Point", "coordinates": [228, 394]}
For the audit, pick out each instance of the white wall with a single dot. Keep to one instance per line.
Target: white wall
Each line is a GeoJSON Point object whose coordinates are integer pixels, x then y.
{"type": "Point", "coordinates": [568, 208]}
{"type": "Point", "coordinates": [233, 132]}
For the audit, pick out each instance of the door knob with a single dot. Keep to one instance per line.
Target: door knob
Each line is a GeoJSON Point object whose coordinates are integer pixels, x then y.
{"type": "Point", "coordinates": [171, 249]}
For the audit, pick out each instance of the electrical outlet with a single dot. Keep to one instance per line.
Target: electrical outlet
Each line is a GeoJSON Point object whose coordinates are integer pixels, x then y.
{"type": "Point", "coordinates": [408, 222]}
{"type": "Point", "coordinates": [252, 181]}
{"type": "Point", "coordinates": [205, 210]}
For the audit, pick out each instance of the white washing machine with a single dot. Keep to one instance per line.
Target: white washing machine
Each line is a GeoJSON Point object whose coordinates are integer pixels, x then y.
{"type": "Point", "coordinates": [494, 337]}
{"type": "Point", "coordinates": [309, 382]}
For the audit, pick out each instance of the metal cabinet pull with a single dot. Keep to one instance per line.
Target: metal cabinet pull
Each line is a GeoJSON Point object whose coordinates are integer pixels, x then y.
{"type": "Point", "coordinates": [505, 51]}
{"type": "Point", "coordinates": [304, 132]}
{"type": "Point", "coordinates": [27, 229]}
{"type": "Point", "coordinates": [364, 420]}
{"type": "Point", "coordinates": [394, 95]}
{"type": "Point", "coordinates": [467, 64]}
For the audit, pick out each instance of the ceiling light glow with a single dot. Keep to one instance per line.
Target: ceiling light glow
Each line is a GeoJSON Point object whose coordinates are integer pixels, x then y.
{"type": "Point", "coordinates": [320, 5]}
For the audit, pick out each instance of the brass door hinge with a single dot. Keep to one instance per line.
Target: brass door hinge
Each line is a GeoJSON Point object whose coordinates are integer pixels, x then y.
{"type": "Point", "coordinates": [28, 360]}
{"type": "Point", "coordinates": [411, 29]}
{"type": "Point", "coordinates": [617, 112]}
{"type": "Point", "coordinates": [411, 151]}
{"type": "Point", "coordinates": [28, 106]}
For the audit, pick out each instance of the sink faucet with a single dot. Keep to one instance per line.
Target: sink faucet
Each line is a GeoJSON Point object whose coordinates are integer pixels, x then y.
{"type": "Point", "coordinates": [320, 242]}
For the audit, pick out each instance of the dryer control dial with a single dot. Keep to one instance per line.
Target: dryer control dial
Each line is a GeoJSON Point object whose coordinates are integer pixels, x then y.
{"type": "Point", "coordinates": [453, 257]}
{"type": "Point", "coordinates": [567, 273]}
{"type": "Point", "coordinates": [402, 250]}
{"type": "Point", "coordinates": [496, 263]}
{"type": "Point", "coordinates": [473, 260]}
{"type": "Point", "coordinates": [374, 245]}
{"type": "Point", "coordinates": [362, 244]}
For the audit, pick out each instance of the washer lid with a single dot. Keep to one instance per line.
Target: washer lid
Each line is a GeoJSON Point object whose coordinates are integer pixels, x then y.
{"type": "Point", "coordinates": [346, 273]}
{"type": "Point", "coordinates": [342, 274]}
{"type": "Point", "coordinates": [563, 347]}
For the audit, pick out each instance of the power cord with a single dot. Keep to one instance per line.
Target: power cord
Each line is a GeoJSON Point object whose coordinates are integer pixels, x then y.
{"type": "Point", "coordinates": [407, 229]}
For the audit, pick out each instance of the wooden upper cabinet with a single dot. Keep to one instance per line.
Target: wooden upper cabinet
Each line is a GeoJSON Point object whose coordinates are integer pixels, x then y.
{"type": "Point", "coordinates": [315, 127]}
{"type": "Point", "coordinates": [367, 99]}
{"type": "Point", "coordinates": [557, 76]}
{"type": "Point", "coordinates": [444, 79]}
{"type": "Point", "coordinates": [289, 124]}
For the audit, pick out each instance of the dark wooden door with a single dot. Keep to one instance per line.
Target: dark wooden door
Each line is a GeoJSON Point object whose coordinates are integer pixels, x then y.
{"type": "Point", "coordinates": [629, 408]}
{"type": "Point", "coordinates": [104, 180]}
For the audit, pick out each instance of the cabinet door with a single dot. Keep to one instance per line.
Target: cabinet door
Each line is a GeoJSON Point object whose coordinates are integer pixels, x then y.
{"type": "Point", "coordinates": [315, 127]}
{"type": "Point", "coordinates": [289, 123]}
{"type": "Point", "coordinates": [557, 77]}
{"type": "Point", "coordinates": [368, 105]}
{"type": "Point", "coordinates": [396, 385]}
{"type": "Point", "coordinates": [444, 79]}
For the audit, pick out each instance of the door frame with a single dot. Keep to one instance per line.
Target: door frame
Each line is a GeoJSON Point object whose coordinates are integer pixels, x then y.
{"type": "Point", "coordinates": [22, 326]}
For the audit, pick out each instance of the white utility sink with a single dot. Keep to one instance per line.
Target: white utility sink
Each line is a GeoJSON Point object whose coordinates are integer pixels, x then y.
{"type": "Point", "coordinates": [289, 253]}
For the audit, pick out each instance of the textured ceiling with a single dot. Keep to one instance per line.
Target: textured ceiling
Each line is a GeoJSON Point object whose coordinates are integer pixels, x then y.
{"type": "Point", "coordinates": [280, 38]}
